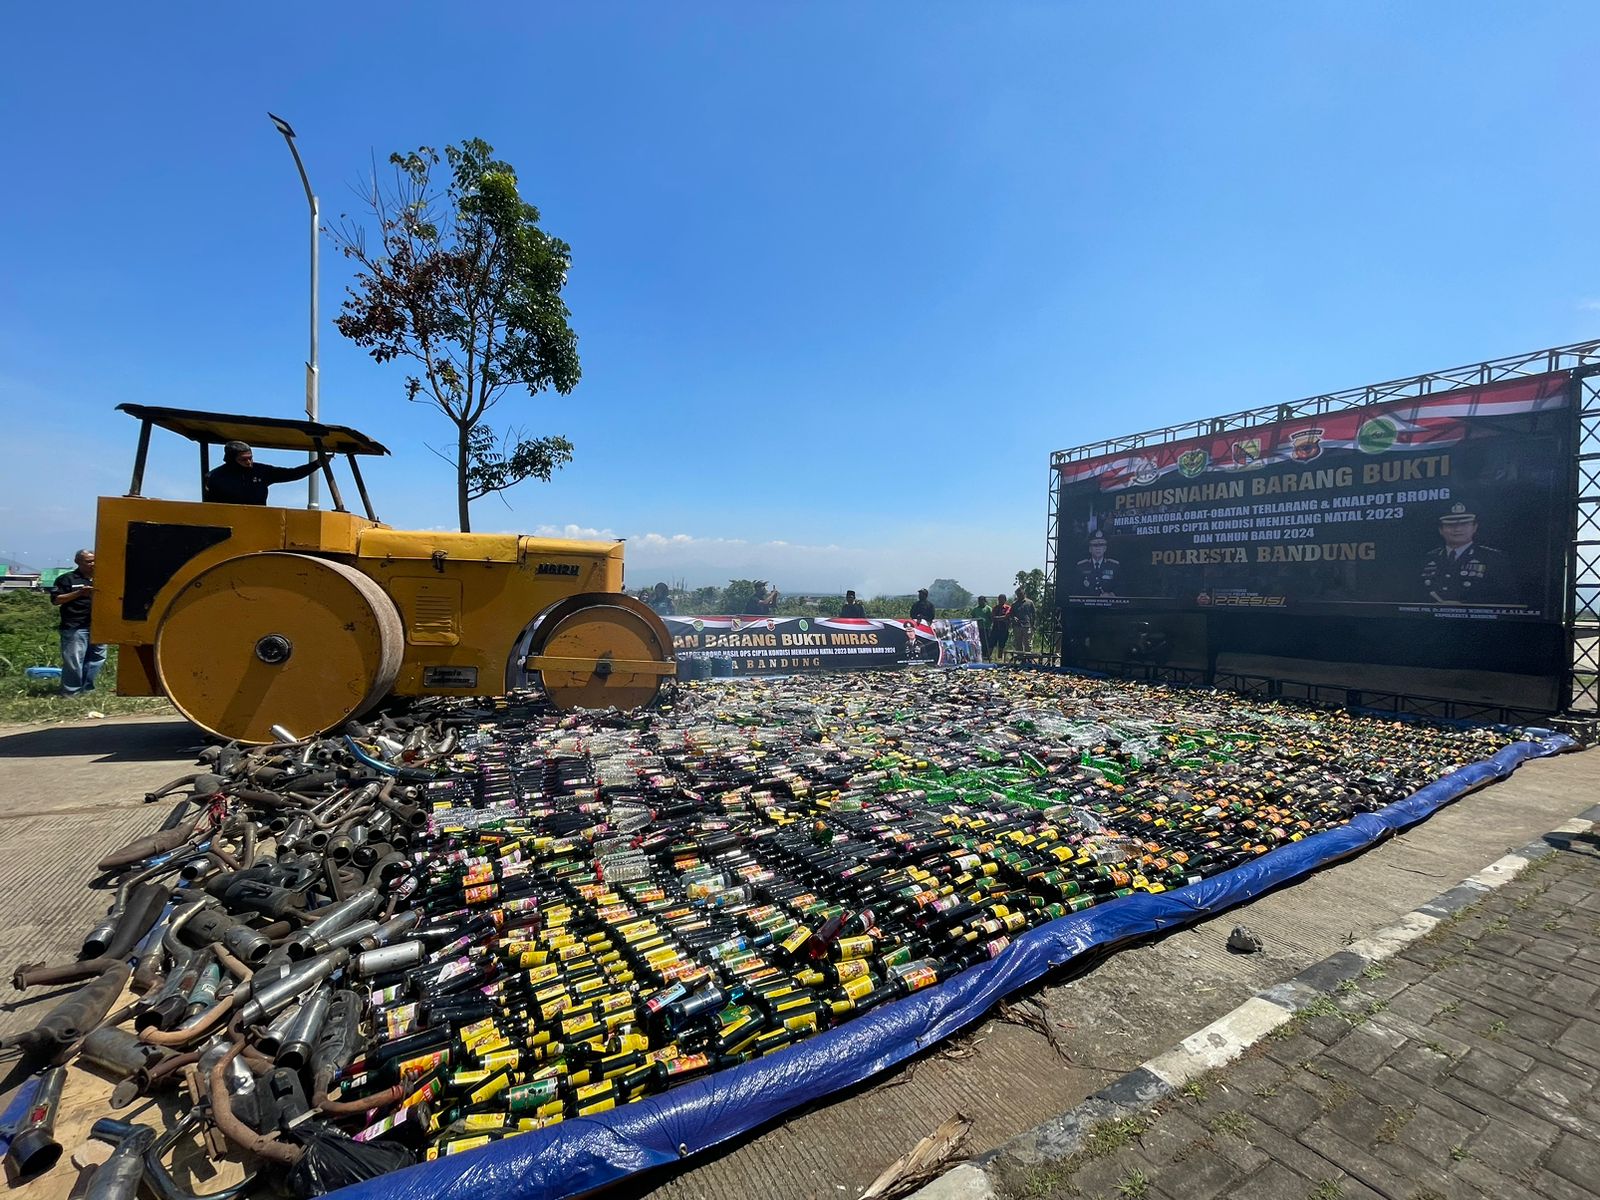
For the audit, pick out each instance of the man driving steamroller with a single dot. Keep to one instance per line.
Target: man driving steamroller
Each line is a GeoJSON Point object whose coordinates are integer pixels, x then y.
{"type": "Point", "coordinates": [242, 480]}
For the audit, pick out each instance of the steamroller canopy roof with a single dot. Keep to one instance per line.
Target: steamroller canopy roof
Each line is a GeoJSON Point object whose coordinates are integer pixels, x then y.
{"type": "Point", "coordinates": [263, 433]}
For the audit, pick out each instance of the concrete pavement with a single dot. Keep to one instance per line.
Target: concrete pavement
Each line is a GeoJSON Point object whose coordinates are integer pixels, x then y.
{"type": "Point", "coordinates": [71, 793]}
{"type": "Point", "coordinates": [1467, 1065]}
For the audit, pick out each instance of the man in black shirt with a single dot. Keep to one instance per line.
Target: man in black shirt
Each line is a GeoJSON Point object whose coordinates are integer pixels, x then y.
{"type": "Point", "coordinates": [852, 607]}
{"type": "Point", "coordinates": [922, 609]}
{"type": "Point", "coordinates": [242, 480]}
{"type": "Point", "coordinates": [73, 594]}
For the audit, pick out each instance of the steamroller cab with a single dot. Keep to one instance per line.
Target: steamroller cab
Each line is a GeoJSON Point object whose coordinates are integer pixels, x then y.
{"type": "Point", "coordinates": [253, 616]}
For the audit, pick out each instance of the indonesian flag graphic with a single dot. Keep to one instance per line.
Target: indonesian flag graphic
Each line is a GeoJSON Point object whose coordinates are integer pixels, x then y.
{"type": "Point", "coordinates": [1417, 423]}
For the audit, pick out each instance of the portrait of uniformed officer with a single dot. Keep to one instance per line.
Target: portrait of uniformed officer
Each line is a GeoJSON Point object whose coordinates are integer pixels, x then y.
{"type": "Point", "coordinates": [1097, 574]}
{"type": "Point", "coordinates": [1463, 571]}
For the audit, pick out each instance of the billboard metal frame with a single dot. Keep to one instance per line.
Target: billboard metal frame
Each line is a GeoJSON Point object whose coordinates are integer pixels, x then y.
{"type": "Point", "coordinates": [1581, 615]}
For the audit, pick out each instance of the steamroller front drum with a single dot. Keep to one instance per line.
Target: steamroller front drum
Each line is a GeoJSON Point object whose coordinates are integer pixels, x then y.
{"type": "Point", "coordinates": [594, 650]}
{"type": "Point", "coordinates": [292, 640]}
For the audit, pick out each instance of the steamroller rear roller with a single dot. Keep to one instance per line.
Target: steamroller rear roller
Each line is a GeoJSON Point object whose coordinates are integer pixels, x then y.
{"type": "Point", "coordinates": [278, 639]}
{"type": "Point", "coordinates": [594, 650]}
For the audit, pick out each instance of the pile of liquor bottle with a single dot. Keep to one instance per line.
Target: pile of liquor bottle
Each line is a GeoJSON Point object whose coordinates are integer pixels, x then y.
{"type": "Point", "coordinates": [612, 906]}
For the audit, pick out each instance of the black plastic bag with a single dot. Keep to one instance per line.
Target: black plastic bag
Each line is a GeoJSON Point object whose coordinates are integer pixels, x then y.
{"type": "Point", "coordinates": [332, 1161]}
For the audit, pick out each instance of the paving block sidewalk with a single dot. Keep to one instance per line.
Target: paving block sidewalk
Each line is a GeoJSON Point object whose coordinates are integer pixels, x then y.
{"type": "Point", "coordinates": [1466, 1065]}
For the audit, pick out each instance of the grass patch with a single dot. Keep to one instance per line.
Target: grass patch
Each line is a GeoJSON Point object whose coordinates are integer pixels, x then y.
{"type": "Point", "coordinates": [1495, 1029]}
{"type": "Point", "coordinates": [1453, 1007]}
{"type": "Point", "coordinates": [1373, 971]}
{"type": "Point", "coordinates": [1437, 1047]}
{"type": "Point", "coordinates": [1235, 1124]}
{"type": "Point", "coordinates": [1198, 1088]}
{"type": "Point", "coordinates": [1325, 1189]}
{"type": "Point", "coordinates": [1460, 1153]}
{"type": "Point", "coordinates": [29, 638]}
{"type": "Point", "coordinates": [1394, 1120]}
{"type": "Point", "coordinates": [1037, 1183]}
{"type": "Point", "coordinates": [1311, 1068]}
{"type": "Point", "coordinates": [1346, 986]}
{"type": "Point", "coordinates": [1133, 1185]}
{"type": "Point", "coordinates": [1110, 1136]}
{"type": "Point", "coordinates": [1266, 1093]}
{"type": "Point", "coordinates": [1104, 1139]}
{"type": "Point", "coordinates": [1338, 1094]}
{"type": "Point", "coordinates": [1447, 928]}
{"type": "Point", "coordinates": [1532, 898]}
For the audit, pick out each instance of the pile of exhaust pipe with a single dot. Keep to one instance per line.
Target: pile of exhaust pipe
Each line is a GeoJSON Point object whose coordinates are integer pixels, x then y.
{"type": "Point", "coordinates": [226, 975]}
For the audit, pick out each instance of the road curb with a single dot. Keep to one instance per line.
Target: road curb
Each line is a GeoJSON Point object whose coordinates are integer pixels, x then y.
{"type": "Point", "coordinates": [1228, 1037]}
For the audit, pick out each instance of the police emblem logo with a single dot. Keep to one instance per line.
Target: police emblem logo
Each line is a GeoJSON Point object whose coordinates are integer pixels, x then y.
{"type": "Point", "coordinates": [1305, 444]}
{"type": "Point", "coordinates": [1145, 471]}
{"type": "Point", "coordinates": [1246, 453]}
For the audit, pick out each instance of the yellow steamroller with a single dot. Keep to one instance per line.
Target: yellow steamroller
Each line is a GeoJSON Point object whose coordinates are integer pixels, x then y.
{"type": "Point", "coordinates": [249, 616]}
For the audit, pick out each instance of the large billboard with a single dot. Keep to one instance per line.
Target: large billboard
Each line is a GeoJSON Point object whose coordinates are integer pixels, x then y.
{"type": "Point", "coordinates": [1446, 507]}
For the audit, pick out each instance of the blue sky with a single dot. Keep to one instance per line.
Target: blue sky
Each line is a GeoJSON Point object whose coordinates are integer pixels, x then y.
{"type": "Point", "coordinates": [844, 274]}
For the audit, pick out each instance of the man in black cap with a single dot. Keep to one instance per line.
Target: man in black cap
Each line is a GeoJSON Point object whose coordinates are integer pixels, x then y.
{"type": "Point", "coordinates": [922, 607]}
{"type": "Point", "coordinates": [1097, 574]}
{"type": "Point", "coordinates": [242, 480]}
{"type": "Point", "coordinates": [852, 607]}
{"type": "Point", "coordinates": [1461, 571]}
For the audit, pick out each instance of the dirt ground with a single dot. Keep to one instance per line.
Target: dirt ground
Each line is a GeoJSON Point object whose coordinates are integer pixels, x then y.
{"type": "Point", "coordinates": [73, 792]}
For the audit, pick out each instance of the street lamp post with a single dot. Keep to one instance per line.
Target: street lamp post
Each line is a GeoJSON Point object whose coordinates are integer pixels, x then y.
{"type": "Point", "coordinates": [313, 484]}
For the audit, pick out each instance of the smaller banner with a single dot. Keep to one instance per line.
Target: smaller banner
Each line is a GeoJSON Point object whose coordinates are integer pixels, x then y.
{"type": "Point", "coordinates": [784, 645]}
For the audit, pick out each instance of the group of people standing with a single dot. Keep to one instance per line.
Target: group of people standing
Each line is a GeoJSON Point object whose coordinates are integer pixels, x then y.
{"type": "Point", "coordinates": [1005, 622]}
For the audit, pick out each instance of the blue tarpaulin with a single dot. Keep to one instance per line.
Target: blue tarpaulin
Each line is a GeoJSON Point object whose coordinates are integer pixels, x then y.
{"type": "Point", "coordinates": [579, 1155]}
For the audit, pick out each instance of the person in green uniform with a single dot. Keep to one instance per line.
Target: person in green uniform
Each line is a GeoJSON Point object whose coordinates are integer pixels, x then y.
{"type": "Point", "coordinates": [981, 613]}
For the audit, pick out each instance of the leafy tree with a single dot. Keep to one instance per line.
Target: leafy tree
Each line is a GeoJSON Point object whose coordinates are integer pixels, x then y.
{"type": "Point", "coordinates": [740, 595]}
{"type": "Point", "coordinates": [703, 600]}
{"type": "Point", "coordinates": [947, 593]}
{"type": "Point", "coordinates": [890, 606]}
{"type": "Point", "coordinates": [465, 283]}
{"type": "Point", "coordinates": [1032, 584]}
{"type": "Point", "coordinates": [496, 463]}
